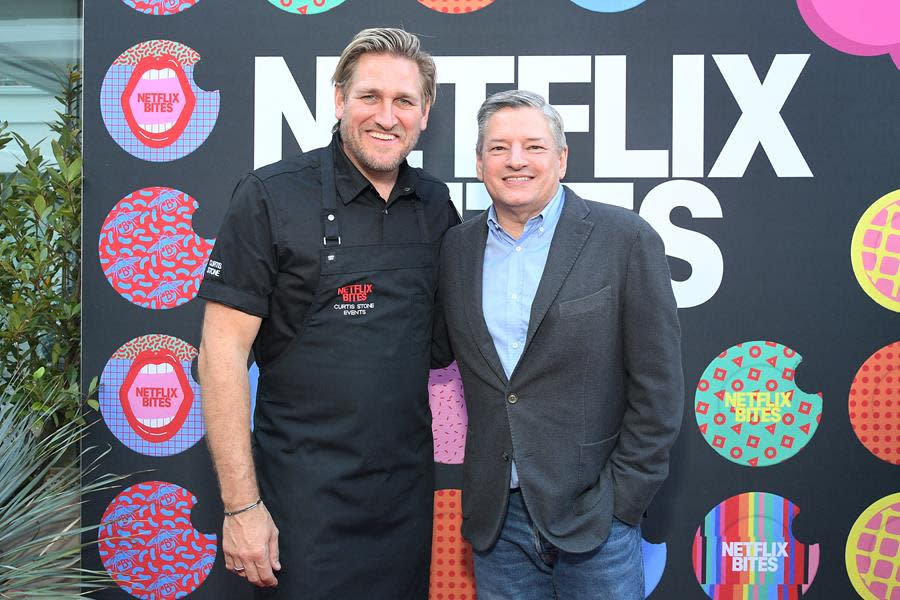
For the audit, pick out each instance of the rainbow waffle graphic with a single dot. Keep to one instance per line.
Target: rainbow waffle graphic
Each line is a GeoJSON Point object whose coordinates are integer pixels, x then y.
{"type": "Point", "coordinates": [448, 415]}
{"type": "Point", "coordinates": [748, 406]}
{"type": "Point", "coordinates": [873, 551]}
{"type": "Point", "coordinates": [150, 104]}
{"type": "Point", "coordinates": [148, 397]}
{"type": "Point", "coordinates": [306, 7]}
{"type": "Point", "coordinates": [149, 546]}
{"type": "Point", "coordinates": [148, 250]}
{"type": "Point", "coordinates": [861, 27]}
{"type": "Point", "coordinates": [875, 251]}
{"type": "Point", "coordinates": [874, 404]}
{"type": "Point", "coordinates": [745, 548]}
{"type": "Point", "coordinates": [455, 7]}
{"type": "Point", "coordinates": [608, 6]}
{"type": "Point", "coordinates": [160, 7]}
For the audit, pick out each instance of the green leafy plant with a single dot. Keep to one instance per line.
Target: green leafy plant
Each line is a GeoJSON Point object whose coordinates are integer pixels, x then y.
{"type": "Point", "coordinates": [40, 246]}
{"type": "Point", "coordinates": [40, 500]}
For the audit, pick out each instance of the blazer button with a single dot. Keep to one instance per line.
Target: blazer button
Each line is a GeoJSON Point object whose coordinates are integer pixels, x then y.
{"type": "Point", "coordinates": [512, 398]}
{"type": "Point", "coordinates": [506, 457]}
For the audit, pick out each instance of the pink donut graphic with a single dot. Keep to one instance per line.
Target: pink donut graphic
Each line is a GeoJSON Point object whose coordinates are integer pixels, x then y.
{"type": "Point", "coordinates": [149, 546]}
{"type": "Point", "coordinates": [448, 415]}
{"type": "Point", "coordinates": [862, 27]}
{"type": "Point", "coordinates": [149, 251]}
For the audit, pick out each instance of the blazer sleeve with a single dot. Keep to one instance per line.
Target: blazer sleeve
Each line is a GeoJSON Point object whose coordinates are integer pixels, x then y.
{"type": "Point", "coordinates": [654, 378]}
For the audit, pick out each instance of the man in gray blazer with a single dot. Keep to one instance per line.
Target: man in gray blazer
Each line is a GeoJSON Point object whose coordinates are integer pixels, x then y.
{"type": "Point", "coordinates": [563, 322]}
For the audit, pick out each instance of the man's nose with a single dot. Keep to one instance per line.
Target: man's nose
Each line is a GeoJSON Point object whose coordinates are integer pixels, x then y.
{"type": "Point", "coordinates": [385, 116]}
{"type": "Point", "coordinates": [517, 158]}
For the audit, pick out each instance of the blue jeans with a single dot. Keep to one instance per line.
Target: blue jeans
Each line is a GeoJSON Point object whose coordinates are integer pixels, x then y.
{"type": "Point", "coordinates": [523, 565]}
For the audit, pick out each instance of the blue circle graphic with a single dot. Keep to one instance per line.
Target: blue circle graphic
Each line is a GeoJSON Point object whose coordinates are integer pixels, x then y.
{"type": "Point", "coordinates": [608, 6]}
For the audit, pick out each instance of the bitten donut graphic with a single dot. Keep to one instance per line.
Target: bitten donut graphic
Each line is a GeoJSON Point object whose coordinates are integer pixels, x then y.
{"type": "Point", "coordinates": [448, 415]}
{"type": "Point", "coordinates": [148, 397]}
{"type": "Point", "coordinates": [608, 6]}
{"type": "Point", "coordinates": [160, 7]}
{"type": "Point", "coordinates": [862, 28]}
{"type": "Point", "coordinates": [455, 7]}
{"type": "Point", "coordinates": [306, 7]}
{"type": "Point", "coordinates": [874, 404]}
{"type": "Point", "coordinates": [745, 548]}
{"type": "Point", "coordinates": [452, 572]}
{"type": "Point", "coordinates": [654, 556]}
{"type": "Point", "coordinates": [149, 546]}
{"type": "Point", "coordinates": [149, 251]}
{"type": "Point", "coordinates": [749, 408]}
{"type": "Point", "coordinates": [875, 251]}
{"type": "Point", "coordinates": [150, 104]}
{"type": "Point", "coordinates": [873, 551]}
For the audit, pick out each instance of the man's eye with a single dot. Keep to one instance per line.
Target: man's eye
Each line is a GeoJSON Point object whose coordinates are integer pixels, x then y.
{"type": "Point", "coordinates": [536, 148]}
{"type": "Point", "coordinates": [404, 102]}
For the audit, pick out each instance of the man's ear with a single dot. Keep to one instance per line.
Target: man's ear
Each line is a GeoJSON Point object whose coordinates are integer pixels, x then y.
{"type": "Point", "coordinates": [338, 102]}
{"type": "Point", "coordinates": [423, 122]}
{"type": "Point", "coordinates": [563, 161]}
{"type": "Point", "coordinates": [479, 166]}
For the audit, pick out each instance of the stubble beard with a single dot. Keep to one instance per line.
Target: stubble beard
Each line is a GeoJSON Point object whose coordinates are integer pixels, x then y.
{"type": "Point", "coordinates": [375, 163]}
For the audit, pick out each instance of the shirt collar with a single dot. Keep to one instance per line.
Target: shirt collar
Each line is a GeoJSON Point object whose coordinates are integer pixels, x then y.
{"type": "Point", "coordinates": [350, 182]}
{"type": "Point", "coordinates": [547, 218]}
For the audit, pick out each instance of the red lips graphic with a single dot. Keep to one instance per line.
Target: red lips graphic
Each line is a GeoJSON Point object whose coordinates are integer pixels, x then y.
{"type": "Point", "coordinates": [156, 396]}
{"type": "Point", "coordinates": [158, 101]}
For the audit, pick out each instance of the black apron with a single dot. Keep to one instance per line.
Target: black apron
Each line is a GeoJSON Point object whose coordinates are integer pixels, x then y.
{"type": "Point", "coordinates": [342, 435]}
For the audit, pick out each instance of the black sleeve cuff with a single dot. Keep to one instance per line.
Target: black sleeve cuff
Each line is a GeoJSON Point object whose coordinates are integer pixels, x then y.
{"type": "Point", "coordinates": [242, 301]}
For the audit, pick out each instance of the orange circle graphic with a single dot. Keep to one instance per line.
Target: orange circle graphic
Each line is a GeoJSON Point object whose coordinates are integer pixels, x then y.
{"type": "Point", "coordinates": [874, 404]}
{"type": "Point", "coordinates": [455, 7]}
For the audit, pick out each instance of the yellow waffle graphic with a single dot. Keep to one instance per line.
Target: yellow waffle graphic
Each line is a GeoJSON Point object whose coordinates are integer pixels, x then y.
{"type": "Point", "coordinates": [868, 277]}
{"type": "Point", "coordinates": [873, 550]}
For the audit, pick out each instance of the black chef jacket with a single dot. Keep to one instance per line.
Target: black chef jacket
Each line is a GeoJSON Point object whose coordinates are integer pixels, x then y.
{"type": "Point", "coordinates": [265, 261]}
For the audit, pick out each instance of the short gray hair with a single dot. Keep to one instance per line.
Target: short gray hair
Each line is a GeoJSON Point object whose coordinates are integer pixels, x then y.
{"type": "Point", "coordinates": [520, 99]}
{"type": "Point", "coordinates": [387, 40]}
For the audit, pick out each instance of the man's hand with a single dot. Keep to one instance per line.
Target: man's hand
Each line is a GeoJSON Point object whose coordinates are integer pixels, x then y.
{"type": "Point", "coordinates": [250, 544]}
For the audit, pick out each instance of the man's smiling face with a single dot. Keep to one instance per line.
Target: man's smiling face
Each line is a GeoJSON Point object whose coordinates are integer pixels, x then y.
{"type": "Point", "coordinates": [382, 112]}
{"type": "Point", "coordinates": [519, 162]}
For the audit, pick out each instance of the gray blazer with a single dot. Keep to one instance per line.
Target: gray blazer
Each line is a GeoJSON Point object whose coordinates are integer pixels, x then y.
{"type": "Point", "coordinates": [595, 402]}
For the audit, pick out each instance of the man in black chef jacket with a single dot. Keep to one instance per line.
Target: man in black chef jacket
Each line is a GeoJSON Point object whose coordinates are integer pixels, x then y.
{"type": "Point", "coordinates": [325, 267]}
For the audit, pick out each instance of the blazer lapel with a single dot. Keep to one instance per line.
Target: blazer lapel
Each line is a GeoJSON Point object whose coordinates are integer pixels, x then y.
{"type": "Point", "coordinates": [472, 258]}
{"type": "Point", "coordinates": [571, 233]}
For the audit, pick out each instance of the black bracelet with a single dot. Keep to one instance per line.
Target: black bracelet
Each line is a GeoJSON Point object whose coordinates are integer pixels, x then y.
{"type": "Point", "coordinates": [242, 510]}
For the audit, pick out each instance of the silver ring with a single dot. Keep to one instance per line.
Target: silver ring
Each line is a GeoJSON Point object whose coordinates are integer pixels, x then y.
{"type": "Point", "coordinates": [239, 568]}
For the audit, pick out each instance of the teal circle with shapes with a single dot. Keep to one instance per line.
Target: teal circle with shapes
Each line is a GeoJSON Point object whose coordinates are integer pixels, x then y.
{"type": "Point", "coordinates": [306, 7]}
{"type": "Point", "coordinates": [608, 6]}
{"type": "Point", "coordinates": [748, 406]}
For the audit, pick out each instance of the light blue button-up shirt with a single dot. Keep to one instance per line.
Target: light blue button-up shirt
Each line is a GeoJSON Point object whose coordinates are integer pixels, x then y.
{"type": "Point", "coordinates": [512, 272]}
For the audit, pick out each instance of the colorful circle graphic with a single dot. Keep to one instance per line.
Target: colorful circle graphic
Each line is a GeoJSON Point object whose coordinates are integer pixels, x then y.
{"type": "Point", "coordinates": [306, 7]}
{"type": "Point", "coordinates": [160, 7]}
{"type": "Point", "coordinates": [149, 546]}
{"type": "Point", "coordinates": [456, 7]}
{"type": "Point", "coordinates": [750, 410]}
{"type": "Point", "coordinates": [864, 28]}
{"type": "Point", "coordinates": [875, 251]}
{"type": "Point", "coordinates": [873, 551]}
{"type": "Point", "coordinates": [448, 415]}
{"type": "Point", "coordinates": [874, 404]}
{"type": "Point", "coordinates": [745, 548]}
{"type": "Point", "coordinates": [148, 397]}
{"type": "Point", "coordinates": [150, 104]}
{"type": "Point", "coordinates": [149, 251]}
{"type": "Point", "coordinates": [608, 6]}
{"type": "Point", "coordinates": [452, 571]}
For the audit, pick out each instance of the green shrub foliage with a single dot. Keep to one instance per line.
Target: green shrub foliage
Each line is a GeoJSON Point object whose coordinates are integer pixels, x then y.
{"type": "Point", "coordinates": [40, 276]}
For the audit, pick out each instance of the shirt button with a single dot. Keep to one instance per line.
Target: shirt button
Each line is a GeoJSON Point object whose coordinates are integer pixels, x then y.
{"type": "Point", "coordinates": [512, 398]}
{"type": "Point", "coordinates": [518, 248]}
{"type": "Point", "coordinates": [515, 344]}
{"type": "Point", "coordinates": [541, 229]}
{"type": "Point", "coordinates": [514, 296]}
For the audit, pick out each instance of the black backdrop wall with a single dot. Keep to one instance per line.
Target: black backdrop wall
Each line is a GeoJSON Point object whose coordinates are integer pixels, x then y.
{"type": "Point", "coordinates": [759, 138]}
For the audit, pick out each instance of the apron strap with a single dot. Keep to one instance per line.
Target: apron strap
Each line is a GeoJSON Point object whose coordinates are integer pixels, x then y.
{"type": "Point", "coordinates": [330, 224]}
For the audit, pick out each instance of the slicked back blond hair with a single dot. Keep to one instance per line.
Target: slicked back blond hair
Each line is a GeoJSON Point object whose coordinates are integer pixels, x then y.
{"type": "Point", "coordinates": [387, 40]}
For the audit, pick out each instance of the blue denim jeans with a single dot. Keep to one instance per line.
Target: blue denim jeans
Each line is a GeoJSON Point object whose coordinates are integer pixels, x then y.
{"type": "Point", "coordinates": [523, 565]}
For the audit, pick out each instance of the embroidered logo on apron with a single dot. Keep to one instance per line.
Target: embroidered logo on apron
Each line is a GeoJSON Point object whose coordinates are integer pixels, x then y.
{"type": "Point", "coordinates": [354, 299]}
